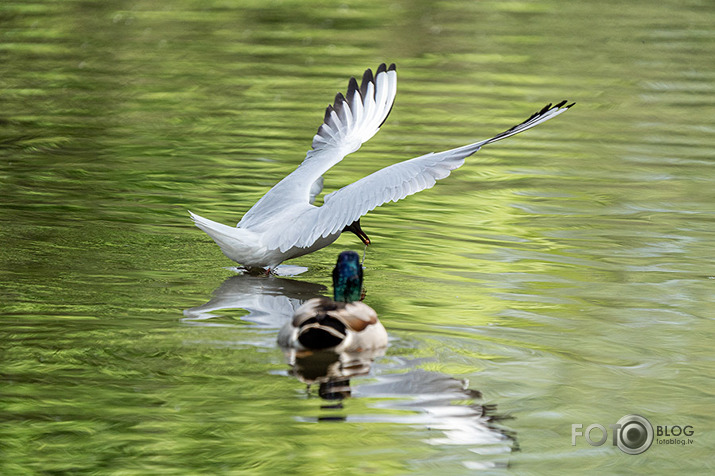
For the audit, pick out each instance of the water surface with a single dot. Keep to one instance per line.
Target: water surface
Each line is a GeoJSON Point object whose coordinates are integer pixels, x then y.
{"type": "Point", "coordinates": [562, 276]}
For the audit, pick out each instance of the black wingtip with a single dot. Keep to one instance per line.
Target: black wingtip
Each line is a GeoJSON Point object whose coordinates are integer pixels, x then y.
{"type": "Point", "coordinates": [563, 104]}
{"type": "Point", "coordinates": [544, 110]}
{"type": "Point", "coordinates": [346, 101]}
{"type": "Point", "coordinates": [328, 110]}
{"type": "Point", "coordinates": [367, 78]}
{"type": "Point", "coordinates": [550, 107]}
{"type": "Point", "coordinates": [352, 87]}
{"type": "Point", "coordinates": [339, 103]}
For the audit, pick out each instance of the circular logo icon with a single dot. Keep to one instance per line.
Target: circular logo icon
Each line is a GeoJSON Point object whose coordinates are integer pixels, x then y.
{"type": "Point", "coordinates": [635, 434]}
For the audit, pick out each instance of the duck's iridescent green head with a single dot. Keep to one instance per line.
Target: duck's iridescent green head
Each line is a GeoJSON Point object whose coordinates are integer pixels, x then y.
{"type": "Point", "coordinates": [347, 277]}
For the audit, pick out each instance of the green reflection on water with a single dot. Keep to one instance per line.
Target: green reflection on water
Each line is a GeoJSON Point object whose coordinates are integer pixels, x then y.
{"type": "Point", "coordinates": [567, 272]}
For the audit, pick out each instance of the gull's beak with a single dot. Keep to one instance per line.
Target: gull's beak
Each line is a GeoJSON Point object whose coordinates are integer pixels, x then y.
{"type": "Point", "coordinates": [355, 228]}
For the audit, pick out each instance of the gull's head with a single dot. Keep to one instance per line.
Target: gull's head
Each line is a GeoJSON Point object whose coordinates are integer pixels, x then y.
{"type": "Point", "coordinates": [355, 228]}
{"type": "Point", "coordinates": [347, 277]}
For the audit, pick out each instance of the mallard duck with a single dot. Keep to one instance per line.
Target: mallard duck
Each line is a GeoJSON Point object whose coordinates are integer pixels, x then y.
{"type": "Point", "coordinates": [341, 324]}
{"type": "Point", "coordinates": [285, 224]}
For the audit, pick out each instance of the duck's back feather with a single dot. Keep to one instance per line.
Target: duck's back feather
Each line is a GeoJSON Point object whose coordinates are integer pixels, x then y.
{"type": "Point", "coordinates": [321, 323]}
{"type": "Point", "coordinates": [354, 315]}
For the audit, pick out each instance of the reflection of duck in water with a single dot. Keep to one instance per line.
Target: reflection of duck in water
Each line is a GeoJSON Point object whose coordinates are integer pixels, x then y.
{"type": "Point", "coordinates": [331, 371]}
{"type": "Point", "coordinates": [341, 324]}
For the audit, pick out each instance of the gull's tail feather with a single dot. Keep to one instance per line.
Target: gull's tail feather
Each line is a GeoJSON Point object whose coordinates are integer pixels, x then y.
{"type": "Point", "coordinates": [229, 238]}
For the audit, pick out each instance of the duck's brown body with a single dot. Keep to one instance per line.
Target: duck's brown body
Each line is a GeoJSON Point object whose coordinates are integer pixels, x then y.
{"type": "Point", "coordinates": [323, 324]}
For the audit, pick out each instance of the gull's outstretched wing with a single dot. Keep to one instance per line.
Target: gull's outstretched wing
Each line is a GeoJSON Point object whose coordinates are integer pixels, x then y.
{"type": "Point", "coordinates": [354, 118]}
{"type": "Point", "coordinates": [392, 183]}
{"type": "Point", "coordinates": [349, 122]}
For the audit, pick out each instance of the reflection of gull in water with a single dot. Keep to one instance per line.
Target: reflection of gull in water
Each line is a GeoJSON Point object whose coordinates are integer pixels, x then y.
{"type": "Point", "coordinates": [433, 398]}
{"type": "Point", "coordinates": [433, 395]}
{"type": "Point", "coordinates": [269, 301]}
{"type": "Point", "coordinates": [426, 400]}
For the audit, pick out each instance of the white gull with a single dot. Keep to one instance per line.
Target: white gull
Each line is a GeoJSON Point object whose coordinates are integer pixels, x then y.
{"type": "Point", "coordinates": [285, 224]}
